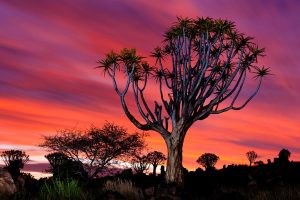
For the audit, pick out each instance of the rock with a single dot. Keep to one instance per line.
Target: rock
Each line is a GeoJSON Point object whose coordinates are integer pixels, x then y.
{"type": "Point", "coordinates": [7, 185]}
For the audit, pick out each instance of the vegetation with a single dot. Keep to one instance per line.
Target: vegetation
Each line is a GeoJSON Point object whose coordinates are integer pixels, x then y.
{"type": "Point", "coordinates": [140, 164]}
{"type": "Point", "coordinates": [156, 158]}
{"type": "Point", "coordinates": [210, 63]}
{"type": "Point", "coordinates": [64, 190]}
{"type": "Point", "coordinates": [63, 167]}
{"type": "Point", "coordinates": [124, 187]}
{"type": "Point", "coordinates": [284, 155]}
{"type": "Point", "coordinates": [275, 180]}
{"type": "Point", "coordinates": [251, 156]}
{"type": "Point", "coordinates": [208, 160]}
{"type": "Point", "coordinates": [14, 161]}
{"type": "Point", "coordinates": [96, 148]}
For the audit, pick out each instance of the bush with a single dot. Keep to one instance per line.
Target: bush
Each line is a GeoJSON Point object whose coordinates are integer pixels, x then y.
{"type": "Point", "coordinates": [63, 190]}
{"type": "Point", "coordinates": [124, 187]}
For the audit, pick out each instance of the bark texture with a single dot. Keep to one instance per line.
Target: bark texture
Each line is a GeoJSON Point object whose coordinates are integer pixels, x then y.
{"type": "Point", "coordinates": [174, 171]}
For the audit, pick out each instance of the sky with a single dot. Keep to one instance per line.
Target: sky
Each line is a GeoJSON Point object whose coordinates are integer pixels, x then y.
{"type": "Point", "coordinates": [48, 80]}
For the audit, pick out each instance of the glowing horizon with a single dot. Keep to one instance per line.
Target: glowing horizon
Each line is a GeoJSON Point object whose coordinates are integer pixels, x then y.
{"type": "Point", "coordinates": [48, 79]}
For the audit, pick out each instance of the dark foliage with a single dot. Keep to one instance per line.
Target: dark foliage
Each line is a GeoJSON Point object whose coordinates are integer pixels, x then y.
{"type": "Point", "coordinates": [96, 148]}
{"type": "Point", "coordinates": [251, 156]}
{"type": "Point", "coordinates": [156, 158]}
{"type": "Point", "coordinates": [208, 160]}
{"type": "Point", "coordinates": [14, 161]}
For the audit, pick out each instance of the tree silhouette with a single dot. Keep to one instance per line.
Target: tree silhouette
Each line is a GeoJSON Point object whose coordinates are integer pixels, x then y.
{"type": "Point", "coordinates": [156, 158]}
{"type": "Point", "coordinates": [208, 160]}
{"type": "Point", "coordinates": [96, 148]}
{"type": "Point", "coordinates": [201, 69]}
{"type": "Point", "coordinates": [63, 167]}
{"type": "Point", "coordinates": [284, 156]}
{"type": "Point", "coordinates": [140, 164]}
{"type": "Point", "coordinates": [14, 160]}
{"type": "Point", "coordinates": [251, 156]}
{"type": "Point", "coordinates": [56, 159]}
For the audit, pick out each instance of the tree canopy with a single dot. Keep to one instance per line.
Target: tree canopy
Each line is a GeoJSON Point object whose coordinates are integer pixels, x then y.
{"type": "Point", "coordinates": [14, 160]}
{"type": "Point", "coordinates": [156, 158]}
{"type": "Point", "coordinates": [96, 148]}
{"type": "Point", "coordinates": [208, 160]}
{"type": "Point", "coordinates": [251, 156]}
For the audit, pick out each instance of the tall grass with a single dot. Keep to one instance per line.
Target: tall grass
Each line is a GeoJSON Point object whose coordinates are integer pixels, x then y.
{"type": "Point", "coordinates": [63, 190]}
{"type": "Point", "coordinates": [283, 193]}
{"type": "Point", "coordinates": [124, 187]}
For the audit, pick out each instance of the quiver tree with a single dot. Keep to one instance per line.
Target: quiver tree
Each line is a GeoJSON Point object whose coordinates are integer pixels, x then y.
{"type": "Point", "coordinates": [208, 160]}
{"type": "Point", "coordinates": [156, 158]}
{"type": "Point", "coordinates": [14, 161]}
{"type": "Point", "coordinates": [251, 156]}
{"type": "Point", "coordinates": [56, 159]}
{"type": "Point", "coordinates": [201, 69]}
{"type": "Point", "coordinates": [62, 167]}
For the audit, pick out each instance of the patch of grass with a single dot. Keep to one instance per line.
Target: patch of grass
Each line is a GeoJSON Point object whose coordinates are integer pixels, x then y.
{"type": "Point", "coordinates": [63, 190]}
{"type": "Point", "coordinates": [278, 193]}
{"type": "Point", "coordinates": [124, 187]}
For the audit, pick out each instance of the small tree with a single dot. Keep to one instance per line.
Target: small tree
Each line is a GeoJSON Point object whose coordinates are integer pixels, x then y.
{"type": "Point", "coordinates": [56, 159]}
{"type": "Point", "coordinates": [284, 156]}
{"type": "Point", "coordinates": [208, 160]}
{"type": "Point", "coordinates": [251, 156]}
{"type": "Point", "coordinates": [140, 164]}
{"type": "Point", "coordinates": [63, 167]}
{"type": "Point", "coordinates": [96, 148]}
{"type": "Point", "coordinates": [14, 161]}
{"type": "Point", "coordinates": [201, 70]}
{"type": "Point", "coordinates": [156, 158]}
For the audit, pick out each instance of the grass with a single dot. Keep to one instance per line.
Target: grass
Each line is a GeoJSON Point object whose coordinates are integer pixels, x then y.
{"type": "Point", "coordinates": [63, 190]}
{"type": "Point", "coordinates": [278, 193]}
{"type": "Point", "coordinates": [124, 187]}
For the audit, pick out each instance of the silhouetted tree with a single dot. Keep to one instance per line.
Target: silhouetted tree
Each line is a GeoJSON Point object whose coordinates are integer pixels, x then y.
{"type": "Point", "coordinates": [63, 167]}
{"type": "Point", "coordinates": [209, 63]}
{"type": "Point", "coordinates": [56, 159]}
{"type": "Point", "coordinates": [140, 164]}
{"type": "Point", "coordinates": [251, 156]}
{"type": "Point", "coordinates": [284, 156]}
{"type": "Point", "coordinates": [96, 148]}
{"type": "Point", "coordinates": [156, 158]}
{"type": "Point", "coordinates": [14, 161]}
{"type": "Point", "coordinates": [208, 160]}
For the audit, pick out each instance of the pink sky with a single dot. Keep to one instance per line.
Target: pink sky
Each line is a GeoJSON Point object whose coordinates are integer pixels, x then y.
{"type": "Point", "coordinates": [48, 80]}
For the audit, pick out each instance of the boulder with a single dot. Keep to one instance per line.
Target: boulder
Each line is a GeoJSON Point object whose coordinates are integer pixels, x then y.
{"type": "Point", "coordinates": [7, 185]}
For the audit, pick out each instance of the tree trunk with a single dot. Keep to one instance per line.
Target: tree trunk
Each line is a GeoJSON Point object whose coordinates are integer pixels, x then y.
{"type": "Point", "coordinates": [154, 170]}
{"type": "Point", "coordinates": [174, 171]}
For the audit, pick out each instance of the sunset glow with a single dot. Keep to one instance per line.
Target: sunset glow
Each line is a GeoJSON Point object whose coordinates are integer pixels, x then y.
{"type": "Point", "coordinates": [48, 80]}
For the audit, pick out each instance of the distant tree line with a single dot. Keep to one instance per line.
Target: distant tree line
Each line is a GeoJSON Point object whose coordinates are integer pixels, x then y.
{"type": "Point", "coordinates": [86, 154]}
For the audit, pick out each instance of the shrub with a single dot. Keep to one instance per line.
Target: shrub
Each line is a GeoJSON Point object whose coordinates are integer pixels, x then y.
{"type": "Point", "coordinates": [63, 190]}
{"type": "Point", "coordinates": [124, 187]}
